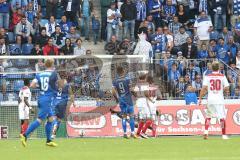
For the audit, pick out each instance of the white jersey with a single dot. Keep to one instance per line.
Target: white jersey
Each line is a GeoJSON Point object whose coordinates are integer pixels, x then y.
{"type": "Point", "coordinates": [216, 82]}
{"type": "Point", "coordinates": [23, 108]}
{"type": "Point", "coordinates": [24, 92]}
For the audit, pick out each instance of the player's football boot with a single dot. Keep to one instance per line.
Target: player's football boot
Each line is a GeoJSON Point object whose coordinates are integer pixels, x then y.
{"type": "Point", "coordinates": [143, 135]}
{"type": "Point", "coordinates": [225, 137]}
{"type": "Point", "coordinates": [205, 136]}
{"type": "Point", "coordinates": [125, 136]}
{"type": "Point", "coordinates": [23, 140]}
{"type": "Point", "coordinates": [134, 136]}
{"type": "Point", "coordinates": [51, 144]}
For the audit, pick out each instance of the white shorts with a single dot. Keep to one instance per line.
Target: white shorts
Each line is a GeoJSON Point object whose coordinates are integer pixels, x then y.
{"type": "Point", "coordinates": [143, 108]}
{"type": "Point", "coordinates": [153, 110]}
{"type": "Point", "coordinates": [23, 112]}
{"type": "Point", "coordinates": [216, 111]}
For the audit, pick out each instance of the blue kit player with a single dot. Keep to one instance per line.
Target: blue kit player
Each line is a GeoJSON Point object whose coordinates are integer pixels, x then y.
{"type": "Point", "coordinates": [46, 81]}
{"type": "Point", "coordinates": [122, 93]}
{"type": "Point", "coordinates": [61, 103]}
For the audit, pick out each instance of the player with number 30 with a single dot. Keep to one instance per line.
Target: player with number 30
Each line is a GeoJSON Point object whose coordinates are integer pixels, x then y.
{"type": "Point", "coordinates": [215, 85]}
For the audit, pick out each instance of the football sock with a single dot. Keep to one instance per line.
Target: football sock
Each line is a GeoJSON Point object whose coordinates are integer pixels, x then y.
{"type": "Point", "coordinates": [124, 125]}
{"type": "Point", "coordinates": [24, 127]}
{"type": "Point", "coordinates": [147, 124]}
{"type": "Point", "coordinates": [132, 124]}
{"type": "Point", "coordinates": [56, 124]}
{"type": "Point", "coordinates": [207, 123]}
{"type": "Point", "coordinates": [35, 124]}
{"type": "Point", "coordinates": [140, 126]}
{"type": "Point", "coordinates": [154, 128]}
{"type": "Point", "coordinates": [48, 130]}
{"type": "Point", "coordinates": [223, 125]}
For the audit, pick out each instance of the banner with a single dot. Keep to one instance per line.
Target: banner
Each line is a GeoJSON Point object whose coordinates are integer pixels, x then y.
{"type": "Point", "coordinates": [173, 120]}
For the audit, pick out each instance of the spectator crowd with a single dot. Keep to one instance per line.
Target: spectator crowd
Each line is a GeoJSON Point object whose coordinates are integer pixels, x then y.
{"type": "Point", "coordinates": [180, 36]}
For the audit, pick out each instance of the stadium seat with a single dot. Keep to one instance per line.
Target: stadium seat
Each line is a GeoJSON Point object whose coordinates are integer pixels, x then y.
{"type": "Point", "coordinates": [11, 37]}
{"type": "Point", "coordinates": [1, 97]}
{"type": "Point", "coordinates": [27, 75]}
{"type": "Point", "coordinates": [27, 48]}
{"type": "Point", "coordinates": [17, 85]}
{"type": "Point", "coordinates": [12, 76]}
{"type": "Point", "coordinates": [43, 22]}
{"type": "Point", "coordinates": [60, 12]}
{"type": "Point", "coordinates": [12, 97]}
{"type": "Point", "coordinates": [58, 21]}
{"type": "Point", "coordinates": [21, 62]}
{"type": "Point", "coordinates": [43, 3]}
{"type": "Point", "coordinates": [15, 49]}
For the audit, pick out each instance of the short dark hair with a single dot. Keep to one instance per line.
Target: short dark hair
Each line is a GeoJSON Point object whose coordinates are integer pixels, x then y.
{"type": "Point", "coordinates": [120, 70]}
{"type": "Point", "coordinates": [26, 82]}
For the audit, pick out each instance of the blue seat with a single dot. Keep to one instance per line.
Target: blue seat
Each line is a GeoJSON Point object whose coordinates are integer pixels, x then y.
{"type": "Point", "coordinates": [11, 37]}
{"type": "Point", "coordinates": [58, 21]}
{"type": "Point", "coordinates": [13, 76]}
{"type": "Point", "coordinates": [15, 49]}
{"type": "Point", "coordinates": [43, 3]}
{"type": "Point", "coordinates": [43, 22]}
{"type": "Point", "coordinates": [17, 85]}
{"type": "Point", "coordinates": [12, 97]}
{"type": "Point", "coordinates": [27, 48]}
{"type": "Point", "coordinates": [27, 75]}
{"type": "Point", "coordinates": [1, 97]}
{"type": "Point", "coordinates": [21, 63]}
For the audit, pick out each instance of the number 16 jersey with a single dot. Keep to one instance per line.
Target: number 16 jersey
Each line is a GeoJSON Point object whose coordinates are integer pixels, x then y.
{"type": "Point", "coordinates": [47, 83]}
{"type": "Point", "coordinates": [216, 82]}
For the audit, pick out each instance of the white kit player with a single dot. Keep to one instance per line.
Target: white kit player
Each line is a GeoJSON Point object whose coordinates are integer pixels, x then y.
{"type": "Point", "coordinates": [24, 105]}
{"type": "Point", "coordinates": [143, 105]}
{"type": "Point", "coordinates": [215, 84]}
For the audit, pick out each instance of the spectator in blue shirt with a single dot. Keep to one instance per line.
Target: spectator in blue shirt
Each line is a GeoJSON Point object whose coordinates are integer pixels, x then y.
{"type": "Point", "coordinates": [222, 51]}
{"type": "Point", "coordinates": [159, 42]}
{"type": "Point", "coordinates": [15, 4]}
{"type": "Point", "coordinates": [65, 25]}
{"type": "Point", "coordinates": [86, 7]}
{"type": "Point", "coordinates": [203, 53]}
{"type": "Point", "coordinates": [4, 14]}
{"type": "Point", "coordinates": [95, 27]}
{"type": "Point", "coordinates": [155, 8]}
{"type": "Point", "coordinates": [173, 77]}
{"type": "Point", "coordinates": [141, 15]}
{"type": "Point", "coordinates": [213, 33]}
{"type": "Point", "coordinates": [233, 48]}
{"type": "Point", "coordinates": [169, 11]}
{"type": "Point", "coordinates": [232, 76]}
{"type": "Point", "coordinates": [190, 96]}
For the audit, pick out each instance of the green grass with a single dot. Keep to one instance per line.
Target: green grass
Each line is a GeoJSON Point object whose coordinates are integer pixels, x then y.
{"type": "Point", "coordinates": [164, 148]}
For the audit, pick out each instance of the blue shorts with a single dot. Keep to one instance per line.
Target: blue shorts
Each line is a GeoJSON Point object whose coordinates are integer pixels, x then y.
{"type": "Point", "coordinates": [45, 107]}
{"type": "Point", "coordinates": [126, 108]}
{"type": "Point", "coordinates": [60, 109]}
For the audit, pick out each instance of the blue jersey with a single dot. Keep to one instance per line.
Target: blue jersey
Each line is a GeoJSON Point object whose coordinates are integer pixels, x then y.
{"type": "Point", "coordinates": [46, 81]}
{"type": "Point", "coordinates": [62, 95]}
{"type": "Point", "coordinates": [122, 85]}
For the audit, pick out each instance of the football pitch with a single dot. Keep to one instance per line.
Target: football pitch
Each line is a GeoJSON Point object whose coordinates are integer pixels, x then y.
{"type": "Point", "coordinates": [163, 148]}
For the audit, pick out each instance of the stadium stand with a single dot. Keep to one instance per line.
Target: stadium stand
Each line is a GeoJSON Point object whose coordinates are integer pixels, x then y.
{"type": "Point", "coordinates": [173, 28]}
